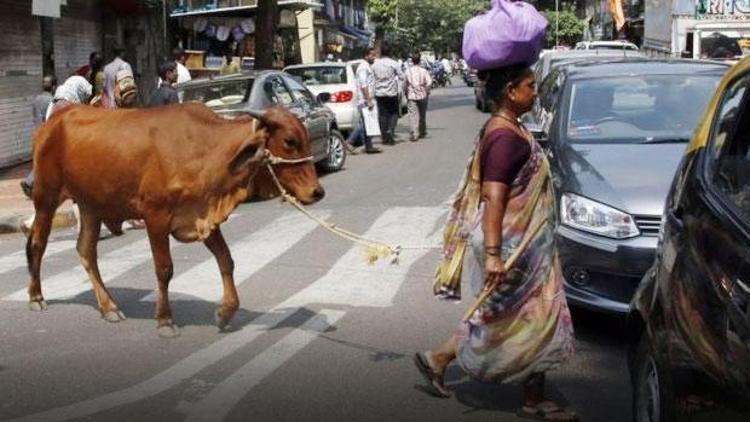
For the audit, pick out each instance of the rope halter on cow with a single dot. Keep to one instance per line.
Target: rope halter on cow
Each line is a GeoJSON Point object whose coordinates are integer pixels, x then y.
{"type": "Point", "coordinates": [373, 249]}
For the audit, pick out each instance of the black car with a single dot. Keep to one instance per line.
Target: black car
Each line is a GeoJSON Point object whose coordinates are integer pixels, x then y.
{"type": "Point", "coordinates": [614, 132]}
{"type": "Point", "coordinates": [689, 324]}
{"type": "Point", "coordinates": [231, 94]}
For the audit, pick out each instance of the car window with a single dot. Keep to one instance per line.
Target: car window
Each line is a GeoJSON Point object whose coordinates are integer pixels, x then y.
{"type": "Point", "coordinates": [729, 163]}
{"type": "Point", "coordinates": [299, 92]}
{"type": "Point", "coordinates": [218, 94]}
{"type": "Point", "coordinates": [549, 91]}
{"type": "Point", "coordinates": [277, 92]}
{"type": "Point", "coordinates": [638, 108]}
{"type": "Point", "coordinates": [320, 75]}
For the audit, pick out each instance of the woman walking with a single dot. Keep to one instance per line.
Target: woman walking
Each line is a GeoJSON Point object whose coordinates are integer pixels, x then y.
{"type": "Point", "coordinates": [523, 328]}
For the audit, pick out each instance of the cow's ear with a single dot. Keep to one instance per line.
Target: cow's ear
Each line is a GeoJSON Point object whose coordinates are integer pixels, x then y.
{"type": "Point", "coordinates": [250, 151]}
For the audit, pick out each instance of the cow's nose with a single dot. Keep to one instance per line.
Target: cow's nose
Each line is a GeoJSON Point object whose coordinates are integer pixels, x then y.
{"type": "Point", "coordinates": [319, 193]}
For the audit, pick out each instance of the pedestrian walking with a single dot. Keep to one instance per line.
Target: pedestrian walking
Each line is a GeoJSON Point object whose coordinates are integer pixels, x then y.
{"type": "Point", "coordinates": [523, 328]}
{"type": "Point", "coordinates": [119, 86]}
{"type": "Point", "coordinates": [387, 74]}
{"type": "Point", "coordinates": [39, 106]}
{"type": "Point", "coordinates": [418, 83]}
{"type": "Point", "coordinates": [365, 88]}
{"type": "Point", "coordinates": [165, 93]}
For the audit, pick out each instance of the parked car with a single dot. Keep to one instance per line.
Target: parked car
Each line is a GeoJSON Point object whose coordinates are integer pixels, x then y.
{"type": "Point", "coordinates": [231, 94]}
{"type": "Point", "coordinates": [606, 45]}
{"type": "Point", "coordinates": [547, 62]}
{"type": "Point", "coordinates": [614, 132]}
{"type": "Point", "coordinates": [336, 79]}
{"type": "Point", "coordinates": [689, 323]}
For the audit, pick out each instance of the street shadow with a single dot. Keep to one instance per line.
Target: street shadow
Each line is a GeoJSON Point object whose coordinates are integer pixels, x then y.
{"type": "Point", "coordinates": [445, 103]}
{"type": "Point", "coordinates": [375, 354]}
{"type": "Point", "coordinates": [596, 327]}
{"type": "Point", "coordinates": [192, 312]}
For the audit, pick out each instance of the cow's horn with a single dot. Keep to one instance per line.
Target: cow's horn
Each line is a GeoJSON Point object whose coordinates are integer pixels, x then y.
{"type": "Point", "coordinates": [260, 116]}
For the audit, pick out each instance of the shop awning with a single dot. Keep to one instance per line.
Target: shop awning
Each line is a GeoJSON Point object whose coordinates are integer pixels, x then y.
{"type": "Point", "coordinates": [359, 34]}
{"type": "Point", "coordinates": [243, 10]}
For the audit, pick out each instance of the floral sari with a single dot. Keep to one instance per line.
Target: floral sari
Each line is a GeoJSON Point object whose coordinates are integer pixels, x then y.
{"type": "Point", "coordinates": [524, 326]}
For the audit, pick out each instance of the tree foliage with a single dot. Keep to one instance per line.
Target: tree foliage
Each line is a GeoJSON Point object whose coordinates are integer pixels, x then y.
{"type": "Point", "coordinates": [571, 27]}
{"type": "Point", "coordinates": [414, 25]}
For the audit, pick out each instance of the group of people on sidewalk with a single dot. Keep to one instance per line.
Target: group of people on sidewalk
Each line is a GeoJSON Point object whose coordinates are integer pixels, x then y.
{"type": "Point", "coordinates": [380, 83]}
{"type": "Point", "coordinates": [111, 86]}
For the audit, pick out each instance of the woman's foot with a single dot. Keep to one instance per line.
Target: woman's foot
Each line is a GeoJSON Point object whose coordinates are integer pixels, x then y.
{"type": "Point", "coordinates": [547, 411]}
{"type": "Point", "coordinates": [433, 378]}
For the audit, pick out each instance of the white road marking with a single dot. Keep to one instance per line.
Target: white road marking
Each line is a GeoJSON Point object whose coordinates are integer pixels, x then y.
{"type": "Point", "coordinates": [220, 401]}
{"type": "Point", "coordinates": [250, 255]}
{"type": "Point", "coordinates": [15, 260]}
{"type": "Point", "coordinates": [349, 282]}
{"type": "Point", "coordinates": [75, 281]}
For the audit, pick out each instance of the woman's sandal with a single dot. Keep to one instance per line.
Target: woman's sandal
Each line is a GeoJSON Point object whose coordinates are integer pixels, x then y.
{"type": "Point", "coordinates": [433, 379]}
{"type": "Point", "coordinates": [548, 411]}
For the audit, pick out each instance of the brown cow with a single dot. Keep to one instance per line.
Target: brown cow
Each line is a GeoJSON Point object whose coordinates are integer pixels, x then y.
{"type": "Point", "coordinates": [180, 168]}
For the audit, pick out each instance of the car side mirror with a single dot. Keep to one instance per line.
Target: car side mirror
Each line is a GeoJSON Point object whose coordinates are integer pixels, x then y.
{"type": "Point", "coordinates": [324, 97]}
{"type": "Point", "coordinates": [538, 132]}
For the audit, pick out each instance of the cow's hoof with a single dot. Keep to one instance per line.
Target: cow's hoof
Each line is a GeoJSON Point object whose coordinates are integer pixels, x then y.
{"type": "Point", "coordinates": [38, 305]}
{"type": "Point", "coordinates": [114, 316]}
{"type": "Point", "coordinates": [168, 331]}
{"type": "Point", "coordinates": [221, 322]}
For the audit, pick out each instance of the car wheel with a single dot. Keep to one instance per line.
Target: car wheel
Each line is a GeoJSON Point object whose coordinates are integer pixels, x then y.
{"type": "Point", "coordinates": [336, 152]}
{"type": "Point", "coordinates": [653, 397]}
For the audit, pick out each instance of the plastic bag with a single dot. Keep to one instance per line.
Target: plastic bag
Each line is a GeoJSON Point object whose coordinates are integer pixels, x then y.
{"type": "Point", "coordinates": [510, 32]}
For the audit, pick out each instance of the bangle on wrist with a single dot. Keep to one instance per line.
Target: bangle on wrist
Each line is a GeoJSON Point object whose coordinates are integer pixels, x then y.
{"type": "Point", "coordinates": [492, 253]}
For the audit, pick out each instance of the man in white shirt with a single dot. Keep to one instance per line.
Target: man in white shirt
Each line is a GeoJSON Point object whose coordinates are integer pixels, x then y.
{"type": "Point", "coordinates": [418, 83]}
{"type": "Point", "coordinates": [387, 76]}
{"type": "Point", "coordinates": [183, 74]}
{"type": "Point", "coordinates": [366, 87]}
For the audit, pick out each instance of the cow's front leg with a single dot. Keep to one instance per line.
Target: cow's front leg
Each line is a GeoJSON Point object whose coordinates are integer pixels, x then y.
{"type": "Point", "coordinates": [230, 301]}
{"type": "Point", "coordinates": [159, 239]}
{"type": "Point", "coordinates": [35, 246]}
{"type": "Point", "coordinates": [87, 241]}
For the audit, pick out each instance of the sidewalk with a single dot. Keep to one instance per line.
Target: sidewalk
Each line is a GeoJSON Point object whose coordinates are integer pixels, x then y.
{"type": "Point", "coordinates": [15, 207]}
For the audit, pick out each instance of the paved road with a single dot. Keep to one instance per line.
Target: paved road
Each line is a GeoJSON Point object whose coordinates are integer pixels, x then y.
{"type": "Point", "coordinates": [320, 335]}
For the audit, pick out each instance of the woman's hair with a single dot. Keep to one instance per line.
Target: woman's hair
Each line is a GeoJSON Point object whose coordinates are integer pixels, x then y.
{"type": "Point", "coordinates": [497, 80]}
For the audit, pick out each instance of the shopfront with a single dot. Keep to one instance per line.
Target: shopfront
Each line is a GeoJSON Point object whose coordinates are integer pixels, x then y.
{"type": "Point", "coordinates": [212, 31]}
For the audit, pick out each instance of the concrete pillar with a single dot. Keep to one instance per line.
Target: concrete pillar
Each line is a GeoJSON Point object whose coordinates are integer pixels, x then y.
{"type": "Point", "coordinates": [306, 36]}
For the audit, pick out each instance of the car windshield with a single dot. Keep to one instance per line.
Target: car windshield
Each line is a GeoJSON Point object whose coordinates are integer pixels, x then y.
{"type": "Point", "coordinates": [320, 75]}
{"type": "Point", "coordinates": [219, 93]}
{"type": "Point", "coordinates": [638, 108]}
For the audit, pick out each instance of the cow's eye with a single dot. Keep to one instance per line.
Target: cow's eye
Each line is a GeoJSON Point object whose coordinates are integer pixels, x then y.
{"type": "Point", "coordinates": [290, 144]}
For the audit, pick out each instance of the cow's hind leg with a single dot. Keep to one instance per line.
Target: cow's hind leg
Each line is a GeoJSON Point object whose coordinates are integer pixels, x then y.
{"type": "Point", "coordinates": [87, 241]}
{"type": "Point", "coordinates": [35, 246]}
{"type": "Point", "coordinates": [159, 239]}
{"type": "Point", "coordinates": [230, 301]}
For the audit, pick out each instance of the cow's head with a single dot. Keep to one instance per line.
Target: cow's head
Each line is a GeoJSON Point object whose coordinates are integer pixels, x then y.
{"type": "Point", "coordinates": [288, 139]}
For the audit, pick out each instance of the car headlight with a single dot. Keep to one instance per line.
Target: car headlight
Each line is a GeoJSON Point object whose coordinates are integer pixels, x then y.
{"type": "Point", "coordinates": [587, 215]}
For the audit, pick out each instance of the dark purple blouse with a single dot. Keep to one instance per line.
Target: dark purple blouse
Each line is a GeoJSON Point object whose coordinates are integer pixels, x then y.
{"type": "Point", "coordinates": [503, 154]}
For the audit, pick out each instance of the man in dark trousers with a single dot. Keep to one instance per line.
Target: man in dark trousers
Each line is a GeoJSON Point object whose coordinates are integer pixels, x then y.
{"type": "Point", "coordinates": [165, 93]}
{"type": "Point", "coordinates": [39, 111]}
{"type": "Point", "coordinates": [387, 74]}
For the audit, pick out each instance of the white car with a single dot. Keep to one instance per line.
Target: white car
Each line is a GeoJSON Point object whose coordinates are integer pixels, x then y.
{"type": "Point", "coordinates": [336, 79]}
{"type": "Point", "coordinates": [606, 45]}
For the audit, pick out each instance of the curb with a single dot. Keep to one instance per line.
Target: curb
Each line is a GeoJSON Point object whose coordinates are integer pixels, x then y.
{"type": "Point", "coordinates": [13, 223]}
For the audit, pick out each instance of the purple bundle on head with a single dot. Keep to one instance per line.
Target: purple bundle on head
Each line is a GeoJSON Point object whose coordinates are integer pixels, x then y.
{"type": "Point", "coordinates": [509, 33]}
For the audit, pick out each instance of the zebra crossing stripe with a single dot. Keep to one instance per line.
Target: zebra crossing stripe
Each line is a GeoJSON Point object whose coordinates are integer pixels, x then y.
{"type": "Point", "coordinates": [257, 250]}
{"type": "Point", "coordinates": [349, 282]}
{"type": "Point", "coordinates": [16, 260]}
{"type": "Point", "coordinates": [70, 283]}
{"type": "Point", "coordinates": [220, 401]}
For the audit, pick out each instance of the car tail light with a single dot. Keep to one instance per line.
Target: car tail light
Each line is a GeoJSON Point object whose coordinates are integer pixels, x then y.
{"type": "Point", "coordinates": [342, 97]}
